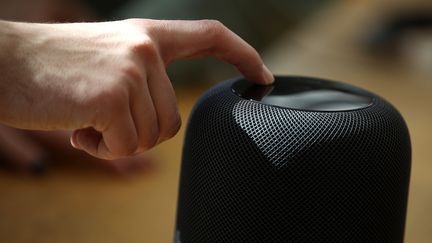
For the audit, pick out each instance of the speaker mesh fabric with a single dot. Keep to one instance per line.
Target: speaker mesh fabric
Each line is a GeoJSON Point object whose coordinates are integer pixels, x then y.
{"type": "Point", "coordinates": [258, 173]}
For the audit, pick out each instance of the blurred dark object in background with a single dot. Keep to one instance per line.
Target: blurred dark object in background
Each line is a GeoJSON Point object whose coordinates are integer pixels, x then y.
{"type": "Point", "coordinates": [45, 11]}
{"type": "Point", "coordinates": [403, 36]}
{"type": "Point", "coordinates": [105, 8]}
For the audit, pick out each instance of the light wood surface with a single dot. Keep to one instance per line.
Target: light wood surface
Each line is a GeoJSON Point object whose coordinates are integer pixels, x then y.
{"type": "Point", "coordinates": [73, 204]}
{"type": "Point", "coordinates": [76, 204]}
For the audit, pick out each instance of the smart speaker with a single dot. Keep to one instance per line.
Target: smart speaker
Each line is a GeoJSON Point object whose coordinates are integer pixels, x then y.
{"type": "Point", "coordinates": [302, 160]}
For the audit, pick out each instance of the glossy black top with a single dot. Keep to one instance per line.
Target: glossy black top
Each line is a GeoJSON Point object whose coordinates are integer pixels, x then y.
{"type": "Point", "coordinates": [304, 93]}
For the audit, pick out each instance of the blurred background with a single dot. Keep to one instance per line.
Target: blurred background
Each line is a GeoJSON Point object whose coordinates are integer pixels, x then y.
{"type": "Point", "coordinates": [51, 193]}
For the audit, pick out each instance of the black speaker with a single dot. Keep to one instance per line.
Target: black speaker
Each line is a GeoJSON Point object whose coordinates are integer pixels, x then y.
{"type": "Point", "coordinates": [302, 160]}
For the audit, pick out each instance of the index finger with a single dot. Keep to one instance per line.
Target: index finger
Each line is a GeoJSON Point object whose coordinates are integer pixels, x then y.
{"type": "Point", "coordinates": [183, 39]}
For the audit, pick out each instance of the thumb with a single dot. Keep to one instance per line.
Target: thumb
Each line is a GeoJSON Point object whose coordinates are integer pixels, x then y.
{"type": "Point", "coordinates": [118, 140]}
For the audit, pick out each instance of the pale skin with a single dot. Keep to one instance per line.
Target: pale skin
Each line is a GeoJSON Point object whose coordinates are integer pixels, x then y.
{"type": "Point", "coordinates": [107, 81]}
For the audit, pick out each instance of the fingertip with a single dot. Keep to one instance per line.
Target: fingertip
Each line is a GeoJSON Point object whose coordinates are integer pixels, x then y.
{"type": "Point", "coordinates": [268, 76]}
{"type": "Point", "coordinates": [261, 75]}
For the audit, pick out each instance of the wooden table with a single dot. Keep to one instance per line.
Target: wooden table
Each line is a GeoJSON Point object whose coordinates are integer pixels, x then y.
{"type": "Point", "coordinates": [85, 204]}
{"type": "Point", "coordinates": [74, 204]}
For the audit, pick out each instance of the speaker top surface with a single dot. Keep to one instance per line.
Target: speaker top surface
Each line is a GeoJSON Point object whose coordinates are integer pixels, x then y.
{"type": "Point", "coordinates": [303, 93]}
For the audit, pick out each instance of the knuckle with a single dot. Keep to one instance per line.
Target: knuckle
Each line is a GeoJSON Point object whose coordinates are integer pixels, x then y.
{"type": "Point", "coordinates": [126, 150]}
{"type": "Point", "coordinates": [144, 46]}
{"type": "Point", "coordinates": [139, 37]}
{"type": "Point", "coordinates": [139, 23]}
{"type": "Point", "coordinates": [134, 21]}
{"type": "Point", "coordinates": [132, 73]}
{"type": "Point", "coordinates": [172, 127]}
{"type": "Point", "coordinates": [213, 28]}
{"type": "Point", "coordinates": [150, 140]}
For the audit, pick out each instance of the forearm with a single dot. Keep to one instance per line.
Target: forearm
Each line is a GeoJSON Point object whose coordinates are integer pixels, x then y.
{"type": "Point", "coordinates": [14, 73]}
{"type": "Point", "coordinates": [8, 46]}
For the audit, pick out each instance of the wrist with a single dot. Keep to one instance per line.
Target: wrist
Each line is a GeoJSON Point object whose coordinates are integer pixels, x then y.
{"type": "Point", "coordinates": [12, 66]}
{"type": "Point", "coordinates": [11, 37]}
{"type": "Point", "coordinates": [8, 46]}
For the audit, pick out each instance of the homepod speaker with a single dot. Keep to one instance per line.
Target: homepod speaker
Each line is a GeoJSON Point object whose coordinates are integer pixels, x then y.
{"type": "Point", "coordinates": [301, 160]}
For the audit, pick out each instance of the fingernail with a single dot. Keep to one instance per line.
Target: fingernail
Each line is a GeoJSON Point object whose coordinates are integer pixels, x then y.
{"type": "Point", "coordinates": [268, 75]}
{"type": "Point", "coordinates": [73, 141]}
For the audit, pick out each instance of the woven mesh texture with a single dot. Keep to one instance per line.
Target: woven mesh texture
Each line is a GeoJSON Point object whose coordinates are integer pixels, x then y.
{"type": "Point", "coordinates": [259, 173]}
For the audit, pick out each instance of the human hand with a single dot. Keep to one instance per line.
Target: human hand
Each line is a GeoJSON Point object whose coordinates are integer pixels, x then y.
{"type": "Point", "coordinates": [107, 81]}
